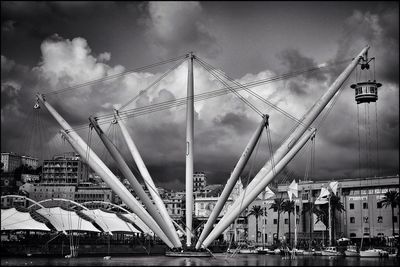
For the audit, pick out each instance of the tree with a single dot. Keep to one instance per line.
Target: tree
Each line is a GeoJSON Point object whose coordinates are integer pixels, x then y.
{"type": "Point", "coordinates": [311, 208]}
{"type": "Point", "coordinates": [391, 198]}
{"type": "Point", "coordinates": [288, 206]}
{"type": "Point", "coordinates": [256, 211]}
{"type": "Point", "coordinates": [277, 205]}
{"type": "Point", "coordinates": [336, 205]}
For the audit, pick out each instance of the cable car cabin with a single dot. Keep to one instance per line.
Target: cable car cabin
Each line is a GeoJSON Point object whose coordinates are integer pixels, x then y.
{"type": "Point", "coordinates": [366, 92]}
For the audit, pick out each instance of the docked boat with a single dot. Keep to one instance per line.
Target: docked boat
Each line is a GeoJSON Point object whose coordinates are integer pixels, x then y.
{"type": "Point", "coordinates": [261, 250]}
{"type": "Point", "coordinates": [248, 250]}
{"type": "Point", "coordinates": [330, 251]}
{"type": "Point", "coordinates": [374, 253]}
{"type": "Point", "coordinates": [308, 253]}
{"type": "Point", "coordinates": [351, 251]}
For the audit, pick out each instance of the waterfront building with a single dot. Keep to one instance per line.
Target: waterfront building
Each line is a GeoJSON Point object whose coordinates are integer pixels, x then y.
{"type": "Point", "coordinates": [363, 215]}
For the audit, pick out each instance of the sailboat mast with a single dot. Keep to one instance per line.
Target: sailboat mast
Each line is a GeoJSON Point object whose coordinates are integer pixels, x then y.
{"type": "Point", "coordinates": [189, 151]}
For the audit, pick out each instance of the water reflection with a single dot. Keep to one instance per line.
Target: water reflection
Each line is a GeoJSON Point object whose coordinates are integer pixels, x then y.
{"type": "Point", "coordinates": [217, 260]}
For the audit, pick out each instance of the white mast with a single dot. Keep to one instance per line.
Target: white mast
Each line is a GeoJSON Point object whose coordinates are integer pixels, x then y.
{"type": "Point", "coordinates": [307, 120]}
{"type": "Point", "coordinates": [232, 180]}
{"type": "Point", "coordinates": [137, 187]}
{"type": "Point", "coordinates": [104, 172]}
{"type": "Point", "coordinates": [147, 178]}
{"type": "Point", "coordinates": [189, 151]}
{"type": "Point", "coordinates": [233, 212]}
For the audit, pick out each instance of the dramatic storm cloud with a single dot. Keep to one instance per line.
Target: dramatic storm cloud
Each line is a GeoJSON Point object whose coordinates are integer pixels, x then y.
{"type": "Point", "coordinates": [68, 56]}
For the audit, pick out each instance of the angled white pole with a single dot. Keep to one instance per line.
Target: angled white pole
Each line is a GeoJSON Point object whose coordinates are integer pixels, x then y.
{"type": "Point", "coordinates": [137, 187]}
{"type": "Point", "coordinates": [104, 172]}
{"type": "Point", "coordinates": [189, 151]}
{"type": "Point", "coordinates": [307, 120]}
{"type": "Point", "coordinates": [230, 184]}
{"type": "Point", "coordinates": [233, 212]}
{"type": "Point", "coordinates": [146, 177]}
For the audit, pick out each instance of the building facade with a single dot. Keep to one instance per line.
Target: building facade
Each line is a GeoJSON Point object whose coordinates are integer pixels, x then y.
{"type": "Point", "coordinates": [364, 217]}
{"type": "Point", "coordinates": [199, 181]}
{"type": "Point", "coordinates": [67, 168]}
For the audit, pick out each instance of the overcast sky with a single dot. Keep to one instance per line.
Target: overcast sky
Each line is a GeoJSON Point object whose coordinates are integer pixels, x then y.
{"type": "Point", "coordinates": [48, 46]}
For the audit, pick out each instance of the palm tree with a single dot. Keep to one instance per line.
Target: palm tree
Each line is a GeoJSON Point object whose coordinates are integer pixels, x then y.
{"type": "Point", "coordinates": [278, 202]}
{"type": "Point", "coordinates": [256, 211]}
{"type": "Point", "coordinates": [311, 209]}
{"type": "Point", "coordinates": [391, 198]}
{"type": "Point", "coordinates": [336, 205]}
{"type": "Point", "coordinates": [288, 206]}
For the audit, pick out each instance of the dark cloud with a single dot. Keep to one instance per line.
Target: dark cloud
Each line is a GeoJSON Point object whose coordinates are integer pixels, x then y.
{"type": "Point", "coordinates": [380, 31]}
{"type": "Point", "coordinates": [178, 27]}
{"type": "Point", "coordinates": [238, 122]}
{"type": "Point", "coordinates": [294, 61]}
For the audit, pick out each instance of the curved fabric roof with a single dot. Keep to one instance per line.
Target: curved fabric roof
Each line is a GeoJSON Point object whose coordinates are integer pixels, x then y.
{"type": "Point", "coordinates": [135, 220]}
{"type": "Point", "coordinates": [109, 221]}
{"type": "Point", "coordinates": [64, 220]}
{"type": "Point", "coordinates": [12, 219]}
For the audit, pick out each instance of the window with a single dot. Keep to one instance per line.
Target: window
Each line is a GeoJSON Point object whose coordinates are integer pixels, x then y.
{"type": "Point", "coordinates": [352, 206]}
{"type": "Point", "coordinates": [395, 219]}
{"type": "Point", "coordinates": [379, 205]}
{"type": "Point", "coordinates": [365, 205]}
{"type": "Point", "coordinates": [275, 209]}
{"type": "Point", "coordinates": [286, 221]}
{"type": "Point", "coordinates": [380, 219]}
{"type": "Point", "coordinates": [352, 219]}
{"type": "Point", "coordinates": [365, 219]}
{"type": "Point", "coordinates": [353, 235]}
{"type": "Point", "coordinates": [275, 221]}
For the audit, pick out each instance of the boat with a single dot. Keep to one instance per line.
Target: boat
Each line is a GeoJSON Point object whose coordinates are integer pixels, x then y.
{"type": "Point", "coordinates": [330, 251]}
{"type": "Point", "coordinates": [308, 252]}
{"type": "Point", "coordinates": [351, 251]}
{"type": "Point", "coordinates": [263, 250]}
{"type": "Point", "coordinates": [248, 250]}
{"type": "Point", "coordinates": [299, 251]}
{"type": "Point", "coordinates": [374, 253]}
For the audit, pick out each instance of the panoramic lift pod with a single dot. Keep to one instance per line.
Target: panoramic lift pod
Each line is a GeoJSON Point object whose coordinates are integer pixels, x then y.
{"type": "Point", "coordinates": [366, 92]}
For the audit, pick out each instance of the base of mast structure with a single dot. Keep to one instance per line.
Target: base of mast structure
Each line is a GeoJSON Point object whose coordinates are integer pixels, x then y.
{"type": "Point", "coordinates": [187, 253]}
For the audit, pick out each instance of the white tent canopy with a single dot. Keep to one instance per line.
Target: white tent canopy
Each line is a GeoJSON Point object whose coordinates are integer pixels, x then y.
{"type": "Point", "coordinates": [64, 220]}
{"type": "Point", "coordinates": [12, 219]}
{"type": "Point", "coordinates": [139, 223]}
{"type": "Point", "coordinates": [110, 222]}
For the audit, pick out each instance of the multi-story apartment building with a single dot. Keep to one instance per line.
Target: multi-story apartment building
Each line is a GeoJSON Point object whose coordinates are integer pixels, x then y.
{"type": "Point", "coordinates": [67, 168]}
{"type": "Point", "coordinates": [11, 161]}
{"type": "Point", "coordinates": [199, 181]}
{"type": "Point", "coordinates": [30, 161]}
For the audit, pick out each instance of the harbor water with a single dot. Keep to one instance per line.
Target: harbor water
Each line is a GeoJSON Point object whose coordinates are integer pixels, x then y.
{"type": "Point", "coordinates": [219, 259]}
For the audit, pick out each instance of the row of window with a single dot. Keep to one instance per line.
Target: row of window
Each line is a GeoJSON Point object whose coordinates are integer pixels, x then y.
{"type": "Point", "coordinates": [366, 219]}
{"type": "Point", "coordinates": [365, 205]}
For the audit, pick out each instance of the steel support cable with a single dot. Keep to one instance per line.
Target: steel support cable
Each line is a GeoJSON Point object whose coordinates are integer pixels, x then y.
{"type": "Point", "coordinates": [74, 87]}
{"type": "Point", "coordinates": [222, 91]}
{"type": "Point", "coordinates": [153, 83]}
{"type": "Point", "coordinates": [359, 140]}
{"type": "Point", "coordinates": [251, 92]}
{"type": "Point", "coordinates": [182, 101]}
{"type": "Point", "coordinates": [283, 77]}
{"type": "Point", "coordinates": [377, 139]}
{"type": "Point", "coordinates": [162, 106]}
{"type": "Point", "coordinates": [242, 98]}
